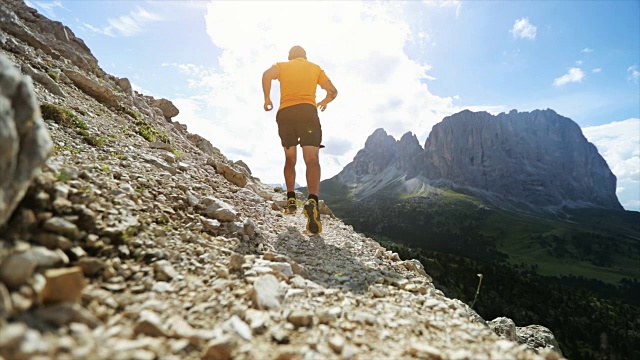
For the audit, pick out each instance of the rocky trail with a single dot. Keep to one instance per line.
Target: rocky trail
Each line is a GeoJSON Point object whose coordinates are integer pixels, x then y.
{"type": "Point", "coordinates": [124, 236]}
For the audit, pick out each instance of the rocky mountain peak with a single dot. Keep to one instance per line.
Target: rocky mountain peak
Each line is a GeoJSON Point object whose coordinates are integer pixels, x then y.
{"type": "Point", "coordinates": [535, 161]}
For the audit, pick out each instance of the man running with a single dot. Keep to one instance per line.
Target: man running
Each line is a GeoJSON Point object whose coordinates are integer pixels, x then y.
{"type": "Point", "coordinates": [298, 123]}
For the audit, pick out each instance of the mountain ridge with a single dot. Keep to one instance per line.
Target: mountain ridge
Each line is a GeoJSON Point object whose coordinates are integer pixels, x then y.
{"type": "Point", "coordinates": [536, 161]}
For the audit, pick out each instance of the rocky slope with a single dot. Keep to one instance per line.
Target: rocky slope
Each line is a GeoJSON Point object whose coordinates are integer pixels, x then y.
{"type": "Point", "coordinates": [139, 240]}
{"type": "Point", "coordinates": [534, 161]}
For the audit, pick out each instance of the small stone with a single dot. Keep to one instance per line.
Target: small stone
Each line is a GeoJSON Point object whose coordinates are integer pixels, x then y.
{"type": "Point", "coordinates": [6, 306]}
{"type": "Point", "coordinates": [222, 273]}
{"type": "Point", "coordinates": [378, 291]}
{"type": "Point", "coordinates": [65, 313]}
{"type": "Point", "coordinates": [164, 271]}
{"type": "Point", "coordinates": [218, 209]}
{"type": "Point", "coordinates": [61, 226]}
{"type": "Point", "coordinates": [235, 262]}
{"type": "Point", "coordinates": [249, 227]}
{"type": "Point", "coordinates": [257, 320]}
{"type": "Point", "coordinates": [280, 335]}
{"type": "Point", "coordinates": [18, 268]}
{"type": "Point", "coordinates": [162, 287]}
{"type": "Point", "coordinates": [299, 269]}
{"type": "Point", "coordinates": [298, 282]}
{"type": "Point", "coordinates": [336, 343]}
{"type": "Point", "coordinates": [90, 265]}
{"type": "Point", "coordinates": [349, 352]}
{"type": "Point", "coordinates": [300, 318]}
{"type": "Point", "coordinates": [266, 293]}
{"type": "Point", "coordinates": [64, 284]}
{"type": "Point", "coordinates": [283, 268]}
{"type": "Point", "coordinates": [424, 351]}
{"type": "Point", "coordinates": [330, 315]}
{"type": "Point", "coordinates": [12, 335]}
{"type": "Point", "coordinates": [219, 349]}
{"type": "Point", "coordinates": [504, 327]}
{"type": "Point", "coordinates": [149, 324]}
{"type": "Point", "coordinates": [47, 258]}
{"type": "Point", "coordinates": [239, 327]}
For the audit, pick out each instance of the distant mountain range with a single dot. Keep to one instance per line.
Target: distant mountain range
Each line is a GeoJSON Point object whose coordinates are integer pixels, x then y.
{"type": "Point", "coordinates": [537, 161]}
{"type": "Point", "coordinates": [521, 187]}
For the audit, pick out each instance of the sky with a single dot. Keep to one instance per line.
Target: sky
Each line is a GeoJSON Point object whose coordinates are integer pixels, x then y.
{"type": "Point", "coordinates": [401, 66]}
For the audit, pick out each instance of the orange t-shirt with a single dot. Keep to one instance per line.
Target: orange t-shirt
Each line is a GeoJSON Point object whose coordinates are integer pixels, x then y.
{"type": "Point", "coordinates": [299, 79]}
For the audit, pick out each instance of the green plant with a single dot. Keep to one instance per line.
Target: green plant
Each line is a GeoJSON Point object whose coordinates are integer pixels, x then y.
{"type": "Point", "coordinates": [62, 116]}
{"type": "Point", "coordinates": [134, 114]}
{"type": "Point", "coordinates": [152, 134]}
{"type": "Point", "coordinates": [176, 152]}
{"type": "Point", "coordinates": [480, 276]}
{"type": "Point", "coordinates": [105, 168]}
{"type": "Point", "coordinates": [63, 176]}
{"type": "Point", "coordinates": [53, 74]}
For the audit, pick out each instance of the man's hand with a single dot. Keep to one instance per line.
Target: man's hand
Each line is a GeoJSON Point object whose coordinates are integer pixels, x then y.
{"type": "Point", "coordinates": [268, 105]}
{"type": "Point", "coordinates": [322, 105]}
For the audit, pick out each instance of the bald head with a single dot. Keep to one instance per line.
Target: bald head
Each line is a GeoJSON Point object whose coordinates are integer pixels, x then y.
{"type": "Point", "coordinates": [297, 52]}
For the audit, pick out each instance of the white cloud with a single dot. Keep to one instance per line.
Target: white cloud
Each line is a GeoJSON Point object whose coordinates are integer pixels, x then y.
{"type": "Point", "coordinates": [634, 74]}
{"type": "Point", "coordinates": [125, 25]}
{"type": "Point", "coordinates": [445, 3]}
{"type": "Point", "coordinates": [586, 50]}
{"type": "Point", "coordinates": [359, 45]}
{"type": "Point", "coordinates": [596, 70]}
{"type": "Point", "coordinates": [522, 28]}
{"type": "Point", "coordinates": [619, 143]}
{"type": "Point", "coordinates": [574, 75]}
{"type": "Point", "coordinates": [579, 62]}
{"type": "Point", "coordinates": [47, 8]}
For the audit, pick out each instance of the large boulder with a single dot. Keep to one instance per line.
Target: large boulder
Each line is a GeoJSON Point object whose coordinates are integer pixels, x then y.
{"type": "Point", "coordinates": [93, 88]}
{"type": "Point", "coordinates": [168, 109]}
{"type": "Point", "coordinates": [25, 143]}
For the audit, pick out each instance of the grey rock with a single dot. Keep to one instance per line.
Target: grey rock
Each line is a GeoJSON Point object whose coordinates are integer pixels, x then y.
{"type": "Point", "coordinates": [168, 109]}
{"type": "Point", "coordinates": [48, 258]}
{"type": "Point", "coordinates": [232, 175]}
{"type": "Point", "coordinates": [235, 262]}
{"type": "Point", "coordinates": [300, 318]}
{"type": "Point", "coordinates": [6, 306]}
{"type": "Point", "coordinates": [504, 327]}
{"type": "Point", "coordinates": [125, 85]}
{"type": "Point", "coordinates": [238, 326]}
{"type": "Point", "coordinates": [65, 313]}
{"type": "Point", "coordinates": [204, 145]}
{"type": "Point", "coordinates": [218, 209]}
{"type": "Point", "coordinates": [90, 266]}
{"type": "Point", "coordinates": [537, 337]}
{"type": "Point", "coordinates": [13, 335]}
{"type": "Point", "coordinates": [267, 293]}
{"type": "Point", "coordinates": [50, 37]}
{"type": "Point", "coordinates": [249, 227]}
{"type": "Point", "coordinates": [45, 80]}
{"type": "Point", "coordinates": [149, 324]}
{"type": "Point", "coordinates": [18, 268]}
{"type": "Point", "coordinates": [24, 140]}
{"type": "Point", "coordinates": [61, 226]}
{"type": "Point", "coordinates": [93, 88]}
{"type": "Point", "coordinates": [220, 348]}
{"type": "Point", "coordinates": [161, 164]}
{"type": "Point", "coordinates": [164, 271]}
{"type": "Point", "coordinates": [336, 343]}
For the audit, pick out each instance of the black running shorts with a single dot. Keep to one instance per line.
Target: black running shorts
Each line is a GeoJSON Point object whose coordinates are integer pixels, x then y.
{"type": "Point", "coordinates": [299, 124]}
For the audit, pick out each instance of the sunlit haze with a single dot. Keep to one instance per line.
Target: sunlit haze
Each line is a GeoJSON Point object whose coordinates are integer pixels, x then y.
{"type": "Point", "coordinates": [401, 66]}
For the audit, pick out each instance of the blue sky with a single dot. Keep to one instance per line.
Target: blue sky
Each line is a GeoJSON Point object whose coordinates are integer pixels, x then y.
{"type": "Point", "coordinates": [400, 66]}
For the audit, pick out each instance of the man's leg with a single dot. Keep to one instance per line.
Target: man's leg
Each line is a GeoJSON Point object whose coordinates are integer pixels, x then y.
{"type": "Point", "coordinates": [290, 167]}
{"type": "Point", "coordinates": [311, 158]}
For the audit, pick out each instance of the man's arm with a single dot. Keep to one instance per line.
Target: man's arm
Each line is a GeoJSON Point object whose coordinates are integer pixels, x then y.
{"type": "Point", "coordinates": [271, 74]}
{"type": "Point", "coordinates": [332, 93]}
